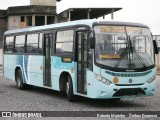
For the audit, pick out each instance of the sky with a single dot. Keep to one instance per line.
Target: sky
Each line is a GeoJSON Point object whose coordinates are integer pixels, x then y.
{"type": "Point", "coordinates": [141, 11]}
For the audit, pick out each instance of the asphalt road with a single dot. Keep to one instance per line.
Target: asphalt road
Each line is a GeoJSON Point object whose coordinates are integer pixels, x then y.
{"type": "Point", "coordinates": [40, 99]}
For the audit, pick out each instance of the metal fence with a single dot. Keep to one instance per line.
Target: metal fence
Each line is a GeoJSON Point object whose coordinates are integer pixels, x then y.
{"type": "Point", "coordinates": [157, 38]}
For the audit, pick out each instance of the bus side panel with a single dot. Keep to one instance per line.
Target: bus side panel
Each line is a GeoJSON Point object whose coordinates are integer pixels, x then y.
{"type": "Point", "coordinates": [57, 67]}
{"type": "Point", "coordinates": [9, 65]}
{"type": "Point", "coordinates": [11, 62]}
{"type": "Point", "coordinates": [35, 70]}
{"type": "Point", "coordinates": [31, 67]}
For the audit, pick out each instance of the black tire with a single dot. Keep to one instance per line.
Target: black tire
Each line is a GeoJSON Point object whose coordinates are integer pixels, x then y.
{"type": "Point", "coordinates": [116, 99]}
{"type": "Point", "coordinates": [19, 80]}
{"type": "Point", "coordinates": [28, 87]}
{"type": "Point", "coordinates": [69, 90]}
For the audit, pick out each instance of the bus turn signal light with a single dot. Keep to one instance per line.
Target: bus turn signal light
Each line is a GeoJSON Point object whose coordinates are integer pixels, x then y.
{"type": "Point", "coordinates": [72, 70]}
{"type": "Point", "coordinates": [41, 67]}
{"type": "Point", "coordinates": [115, 80]}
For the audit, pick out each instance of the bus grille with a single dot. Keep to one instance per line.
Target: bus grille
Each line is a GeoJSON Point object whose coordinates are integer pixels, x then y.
{"type": "Point", "coordinates": [128, 84]}
{"type": "Point", "coordinates": [129, 91]}
{"type": "Point", "coordinates": [128, 74]}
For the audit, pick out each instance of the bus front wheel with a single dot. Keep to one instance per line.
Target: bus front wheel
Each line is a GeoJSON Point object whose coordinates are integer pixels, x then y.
{"type": "Point", "coordinates": [19, 80]}
{"type": "Point", "coordinates": [69, 90]}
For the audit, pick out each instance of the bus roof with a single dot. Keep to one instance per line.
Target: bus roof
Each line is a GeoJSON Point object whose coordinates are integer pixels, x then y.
{"type": "Point", "coordinates": [88, 22]}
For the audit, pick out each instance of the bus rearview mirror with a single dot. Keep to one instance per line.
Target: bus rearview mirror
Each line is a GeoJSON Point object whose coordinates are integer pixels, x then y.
{"type": "Point", "coordinates": [91, 42]}
{"type": "Point", "coordinates": [155, 47]}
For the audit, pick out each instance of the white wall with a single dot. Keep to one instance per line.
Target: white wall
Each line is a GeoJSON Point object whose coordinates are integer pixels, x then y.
{"type": "Point", "coordinates": [13, 22]}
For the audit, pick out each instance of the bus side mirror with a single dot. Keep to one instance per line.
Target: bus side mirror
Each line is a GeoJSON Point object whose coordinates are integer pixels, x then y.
{"type": "Point", "coordinates": [91, 42]}
{"type": "Point", "coordinates": [155, 47]}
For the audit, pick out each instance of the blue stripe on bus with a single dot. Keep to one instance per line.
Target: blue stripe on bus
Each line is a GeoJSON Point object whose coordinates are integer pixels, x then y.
{"type": "Point", "coordinates": [22, 61]}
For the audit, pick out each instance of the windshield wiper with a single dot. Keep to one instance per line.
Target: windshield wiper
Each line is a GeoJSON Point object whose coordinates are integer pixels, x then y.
{"type": "Point", "coordinates": [139, 57]}
{"type": "Point", "coordinates": [130, 50]}
{"type": "Point", "coordinates": [133, 50]}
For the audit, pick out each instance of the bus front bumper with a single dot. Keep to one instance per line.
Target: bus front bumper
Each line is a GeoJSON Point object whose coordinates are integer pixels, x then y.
{"type": "Point", "coordinates": [102, 91]}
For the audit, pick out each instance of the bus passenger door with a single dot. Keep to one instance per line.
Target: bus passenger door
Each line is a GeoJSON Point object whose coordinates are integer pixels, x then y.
{"type": "Point", "coordinates": [47, 51]}
{"type": "Point", "coordinates": [81, 58]}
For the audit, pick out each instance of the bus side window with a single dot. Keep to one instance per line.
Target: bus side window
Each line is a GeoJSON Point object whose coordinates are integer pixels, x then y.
{"type": "Point", "coordinates": [64, 41]}
{"type": "Point", "coordinates": [32, 43]}
{"type": "Point", "coordinates": [9, 44]}
{"type": "Point", "coordinates": [19, 44]}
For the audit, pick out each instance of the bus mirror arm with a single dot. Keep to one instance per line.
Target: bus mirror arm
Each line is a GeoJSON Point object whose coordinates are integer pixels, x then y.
{"type": "Point", "coordinates": [155, 47]}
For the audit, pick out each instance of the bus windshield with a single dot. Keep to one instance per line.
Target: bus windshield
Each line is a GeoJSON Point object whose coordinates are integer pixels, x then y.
{"type": "Point", "coordinates": [123, 47]}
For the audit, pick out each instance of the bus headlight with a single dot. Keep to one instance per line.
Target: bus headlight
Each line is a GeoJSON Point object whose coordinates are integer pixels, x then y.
{"type": "Point", "coordinates": [151, 80]}
{"type": "Point", "coordinates": [102, 79]}
{"type": "Point", "coordinates": [98, 77]}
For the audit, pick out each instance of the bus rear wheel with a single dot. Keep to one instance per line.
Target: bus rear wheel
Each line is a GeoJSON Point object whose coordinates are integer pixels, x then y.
{"type": "Point", "coordinates": [116, 99]}
{"type": "Point", "coordinates": [19, 80]}
{"type": "Point", "coordinates": [69, 90]}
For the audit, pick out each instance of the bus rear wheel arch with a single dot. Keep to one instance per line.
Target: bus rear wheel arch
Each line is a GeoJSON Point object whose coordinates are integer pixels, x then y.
{"type": "Point", "coordinates": [19, 80]}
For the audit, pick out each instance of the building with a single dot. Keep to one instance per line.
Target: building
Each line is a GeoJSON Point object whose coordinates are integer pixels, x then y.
{"type": "Point", "coordinates": [43, 12]}
{"type": "Point", "coordinates": [3, 28]}
{"type": "Point", "coordinates": [3, 25]}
